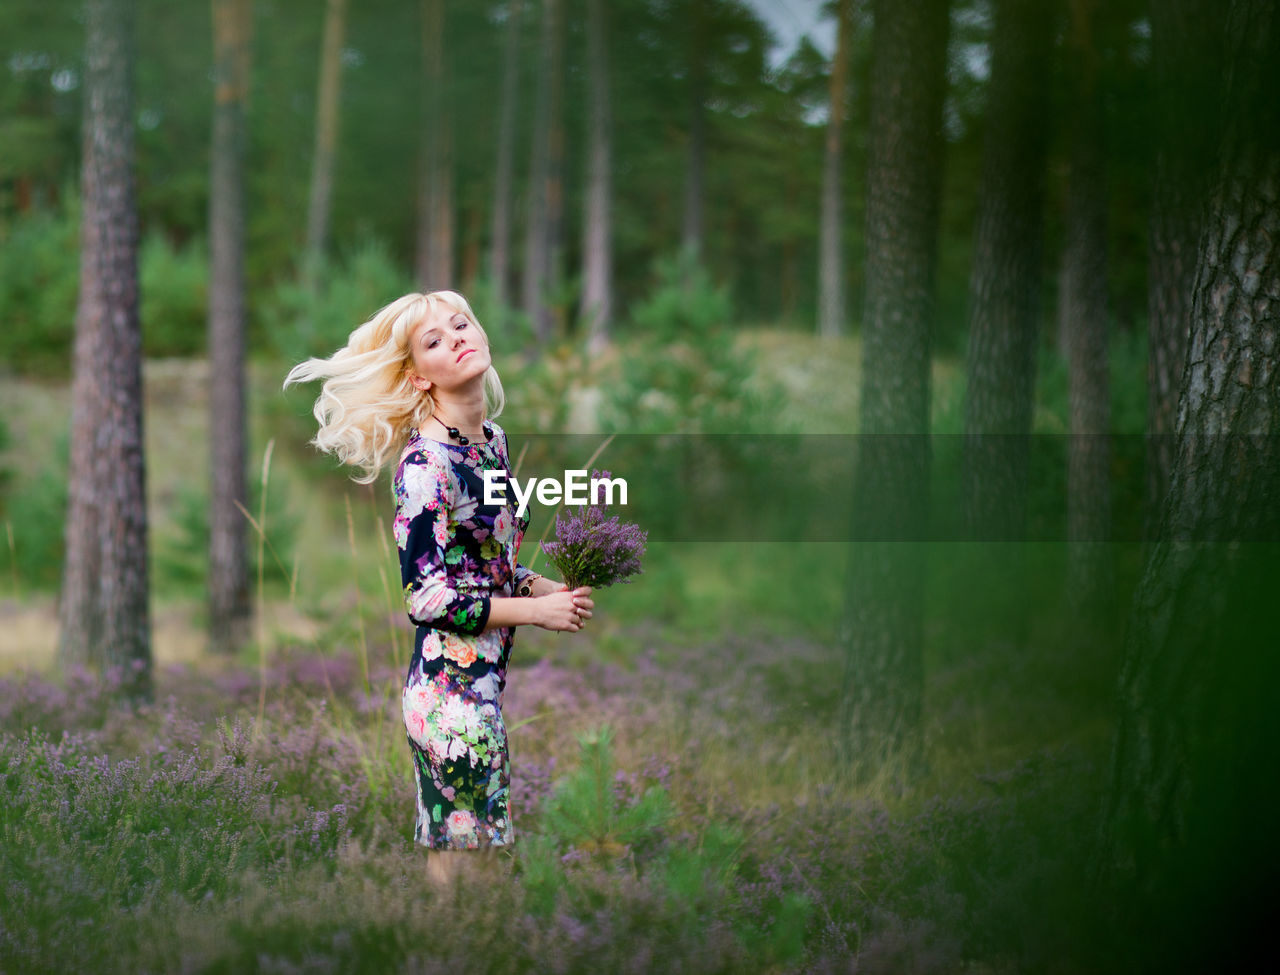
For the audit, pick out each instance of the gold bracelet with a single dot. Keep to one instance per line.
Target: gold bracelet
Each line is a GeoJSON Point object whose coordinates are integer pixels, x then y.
{"type": "Point", "coordinates": [526, 587]}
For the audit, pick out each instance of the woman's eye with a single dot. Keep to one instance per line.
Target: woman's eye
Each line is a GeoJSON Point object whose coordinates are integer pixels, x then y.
{"type": "Point", "coordinates": [433, 343]}
{"type": "Point", "coordinates": [462, 324]}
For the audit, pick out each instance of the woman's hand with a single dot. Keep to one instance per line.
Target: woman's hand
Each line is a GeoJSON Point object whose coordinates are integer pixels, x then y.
{"type": "Point", "coordinates": [565, 610]}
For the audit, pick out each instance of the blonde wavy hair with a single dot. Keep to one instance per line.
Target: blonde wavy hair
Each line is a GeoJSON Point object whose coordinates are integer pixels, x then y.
{"type": "Point", "coordinates": [367, 405]}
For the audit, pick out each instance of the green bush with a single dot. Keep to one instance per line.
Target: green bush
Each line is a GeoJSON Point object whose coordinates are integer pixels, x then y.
{"type": "Point", "coordinates": [684, 374]}
{"type": "Point", "coordinates": [300, 321]}
{"type": "Point", "coordinates": [593, 828]}
{"type": "Point", "coordinates": [174, 305]}
{"type": "Point", "coordinates": [182, 559]}
{"type": "Point", "coordinates": [34, 510]}
{"type": "Point", "coordinates": [39, 282]}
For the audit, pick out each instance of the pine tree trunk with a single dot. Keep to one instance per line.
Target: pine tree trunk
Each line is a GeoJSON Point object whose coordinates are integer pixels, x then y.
{"type": "Point", "coordinates": [831, 306]}
{"type": "Point", "coordinates": [884, 676]}
{"type": "Point", "coordinates": [597, 294]}
{"type": "Point", "coordinates": [435, 214]}
{"type": "Point", "coordinates": [695, 160]}
{"type": "Point", "coordinates": [500, 246]}
{"type": "Point", "coordinates": [1189, 836]}
{"type": "Point", "coordinates": [104, 614]}
{"type": "Point", "coordinates": [1182, 73]}
{"type": "Point", "coordinates": [327, 100]}
{"type": "Point", "coordinates": [1006, 279]}
{"type": "Point", "coordinates": [229, 607]}
{"type": "Point", "coordinates": [544, 179]}
{"type": "Point", "coordinates": [1082, 305]}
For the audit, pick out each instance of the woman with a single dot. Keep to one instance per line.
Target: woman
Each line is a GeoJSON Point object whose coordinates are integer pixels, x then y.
{"type": "Point", "coordinates": [416, 382]}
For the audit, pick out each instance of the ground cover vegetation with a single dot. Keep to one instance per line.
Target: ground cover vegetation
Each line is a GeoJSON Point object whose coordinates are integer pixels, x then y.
{"type": "Point", "coordinates": [991, 700]}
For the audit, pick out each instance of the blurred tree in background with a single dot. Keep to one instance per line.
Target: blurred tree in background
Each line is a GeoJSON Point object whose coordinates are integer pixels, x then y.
{"type": "Point", "coordinates": [104, 615]}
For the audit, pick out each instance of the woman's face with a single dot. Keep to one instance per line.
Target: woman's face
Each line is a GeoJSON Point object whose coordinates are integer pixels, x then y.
{"type": "Point", "coordinates": [448, 350]}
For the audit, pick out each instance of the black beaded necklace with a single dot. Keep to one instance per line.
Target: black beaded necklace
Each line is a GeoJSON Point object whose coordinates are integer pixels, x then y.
{"type": "Point", "coordinates": [455, 435]}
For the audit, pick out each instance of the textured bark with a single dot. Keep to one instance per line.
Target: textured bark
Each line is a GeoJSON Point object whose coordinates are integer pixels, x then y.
{"type": "Point", "coordinates": [884, 677]}
{"type": "Point", "coordinates": [695, 160]}
{"type": "Point", "coordinates": [1082, 306]}
{"type": "Point", "coordinates": [597, 252]}
{"type": "Point", "coordinates": [1181, 67]}
{"type": "Point", "coordinates": [500, 234]}
{"type": "Point", "coordinates": [1189, 819]}
{"type": "Point", "coordinates": [831, 305]}
{"type": "Point", "coordinates": [229, 606]}
{"type": "Point", "coordinates": [542, 226]}
{"type": "Point", "coordinates": [435, 212]}
{"type": "Point", "coordinates": [104, 613]}
{"type": "Point", "coordinates": [335, 23]}
{"type": "Point", "coordinates": [1006, 279]}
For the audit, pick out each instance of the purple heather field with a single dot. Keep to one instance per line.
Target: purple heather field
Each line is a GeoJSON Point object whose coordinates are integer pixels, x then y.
{"type": "Point", "coordinates": [715, 834]}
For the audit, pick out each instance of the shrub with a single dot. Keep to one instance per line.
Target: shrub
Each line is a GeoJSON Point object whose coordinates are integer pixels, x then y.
{"type": "Point", "coordinates": [181, 560]}
{"type": "Point", "coordinates": [39, 282]}
{"type": "Point", "coordinates": [35, 511]}
{"type": "Point", "coordinates": [174, 283]}
{"type": "Point", "coordinates": [683, 373]}
{"type": "Point", "coordinates": [300, 321]}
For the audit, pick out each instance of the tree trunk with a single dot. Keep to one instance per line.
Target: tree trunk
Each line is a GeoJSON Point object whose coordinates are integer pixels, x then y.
{"type": "Point", "coordinates": [831, 308]}
{"type": "Point", "coordinates": [1006, 278]}
{"type": "Point", "coordinates": [471, 242]}
{"type": "Point", "coordinates": [884, 676]}
{"type": "Point", "coordinates": [1082, 305]}
{"type": "Point", "coordinates": [435, 214]}
{"type": "Point", "coordinates": [1188, 833]}
{"type": "Point", "coordinates": [500, 246]}
{"type": "Point", "coordinates": [335, 23]}
{"type": "Point", "coordinates": [597, 293]}
{"type": "Point", "coordinates": [104, 614]}
{"type": "Point", "coordinates": [695, 163]}
{"type": "Point", "coordinates": [229, 607]}
{"type": "Point", "coordinates": [1182, 73]}
{"type": "Point", "coordinates": [544, 178]}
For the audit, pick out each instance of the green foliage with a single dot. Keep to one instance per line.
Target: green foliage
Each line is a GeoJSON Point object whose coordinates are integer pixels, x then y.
{"type": "Point", "coordinates": [39, 282]}
{"type": "Point", "coordinates": [181, 559]}
{"type": "Point", "coordinates": [1127, 362]}
{"type": "Point", "coordinates": [586, 817]}
{"type": "Point", "coordinates": [782, 938]}
{"type": "Point", "coordinates": [508, 327]}
{"type": "Point", "coordinates": [1129, 381]}
{"type": "Point", "coordinates": [682, 373]}
{"type": "Point", "coordinates": [114, 821]}
{"type": "Point", "coordinates": [587, 814]}
{"type": "Point", "coordinates": [35, 509]}
{"type": "Point", "coordinates": [6, 475]}
{"type": "Point", "coordinates": [300, 320]}
{"type": "Point", "coordinates": [174, 284]}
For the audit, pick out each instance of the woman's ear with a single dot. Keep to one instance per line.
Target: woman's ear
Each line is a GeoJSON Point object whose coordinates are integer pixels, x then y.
{"type": "Point", "coordinates": [420, 384]}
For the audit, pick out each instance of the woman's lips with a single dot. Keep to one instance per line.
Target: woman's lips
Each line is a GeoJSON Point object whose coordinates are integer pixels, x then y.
{"type": "Point", "coordinates": [464, 352]}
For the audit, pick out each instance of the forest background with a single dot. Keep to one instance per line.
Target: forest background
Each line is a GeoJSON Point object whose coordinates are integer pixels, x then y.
{"type": "Point", "coordinates": [899, 756]}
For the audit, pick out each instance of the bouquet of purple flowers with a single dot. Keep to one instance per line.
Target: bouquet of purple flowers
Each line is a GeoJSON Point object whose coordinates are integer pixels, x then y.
{"type": "Point", "coordinates": [593, 549]}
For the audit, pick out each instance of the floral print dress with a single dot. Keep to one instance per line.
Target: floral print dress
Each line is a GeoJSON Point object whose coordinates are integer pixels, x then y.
{"type": "Point", "coordinates": [456, 553]}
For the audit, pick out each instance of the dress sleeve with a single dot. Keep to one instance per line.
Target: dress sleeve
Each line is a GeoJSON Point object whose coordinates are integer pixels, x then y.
{"type": "Point", "coordinates": [424, 531]}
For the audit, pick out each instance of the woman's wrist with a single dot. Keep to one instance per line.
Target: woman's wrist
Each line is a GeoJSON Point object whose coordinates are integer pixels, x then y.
{"type": "Point", "coordinates": [511, 611]}
{"type": "Point", "coordinates": [537, 585]}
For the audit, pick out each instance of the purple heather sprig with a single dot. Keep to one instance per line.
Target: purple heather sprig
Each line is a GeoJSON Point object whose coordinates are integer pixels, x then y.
{"type": "Point", "coordinates": [592, 548]}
